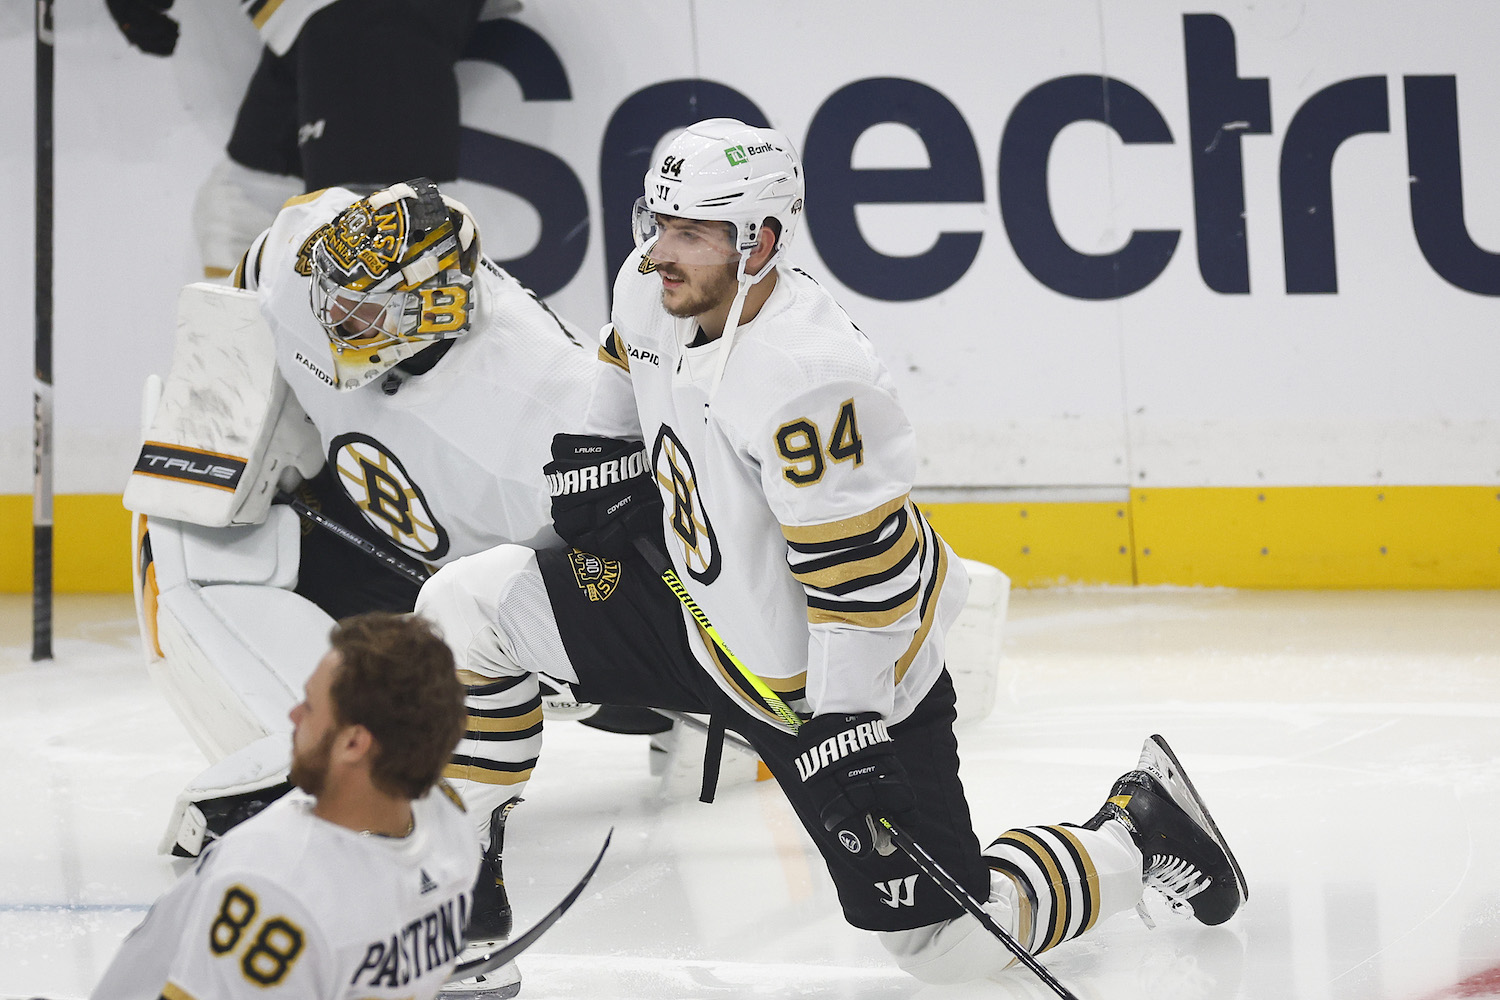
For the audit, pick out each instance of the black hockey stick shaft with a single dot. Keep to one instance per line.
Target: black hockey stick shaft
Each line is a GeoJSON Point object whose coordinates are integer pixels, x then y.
{"type": "Point", "coordinates": [396, 564]}
{"type": "Point", "coordinates": [935, 871]}
{"type": "Point", "coordinates": [658, 563]}
{"type": "Point", "coordinates": [41, 489]}
{"type": "Point", "coordinates": [493, 960]}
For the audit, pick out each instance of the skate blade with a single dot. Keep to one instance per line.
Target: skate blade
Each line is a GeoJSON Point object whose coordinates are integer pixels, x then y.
{"type": "Point", "coordinates": [502, 984]}
{"type": "Point", "coordinates": [1197, 803]}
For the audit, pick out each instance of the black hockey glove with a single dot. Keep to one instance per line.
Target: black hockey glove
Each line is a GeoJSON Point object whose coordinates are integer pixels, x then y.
{"type": "Point", "coordinates": [847, 763]}
{"type": "Point", "coordinates": [145, 24]}
{"type": "Point", "coordinates": [603, 494]}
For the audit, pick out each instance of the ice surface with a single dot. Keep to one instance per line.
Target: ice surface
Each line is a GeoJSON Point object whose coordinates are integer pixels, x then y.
{"type": "Point", "coordinates": [1347, 743]}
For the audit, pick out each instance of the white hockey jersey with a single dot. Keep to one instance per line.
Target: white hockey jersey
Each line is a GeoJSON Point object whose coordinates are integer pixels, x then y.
{"type": "Point", "coordinates": [787, 496]}
{"type": "Point", "coordinates": [288, 905]}
{"type": "Point", "coordinates": [451, 463]}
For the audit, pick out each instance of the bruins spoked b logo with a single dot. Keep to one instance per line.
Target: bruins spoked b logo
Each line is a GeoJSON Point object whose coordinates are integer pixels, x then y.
{"type": "Point", "coordinates": [673, 468]}
{"type": "Point", "coordinates": [378, 483]}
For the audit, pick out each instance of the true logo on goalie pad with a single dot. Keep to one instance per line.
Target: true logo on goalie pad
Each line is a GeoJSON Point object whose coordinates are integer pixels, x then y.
{"type": "Point", "coordinates": [380, 486]}
{"type": "Point", "coordinates": [596, 577]}
{"type": "Point", "coordinates": [189, 465]}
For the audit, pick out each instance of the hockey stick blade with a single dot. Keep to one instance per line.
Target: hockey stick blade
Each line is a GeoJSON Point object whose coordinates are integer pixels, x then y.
{"type": "Point", "coordinates": [961, 896]}
{"type": "Point", "coordinates": [493, 960]}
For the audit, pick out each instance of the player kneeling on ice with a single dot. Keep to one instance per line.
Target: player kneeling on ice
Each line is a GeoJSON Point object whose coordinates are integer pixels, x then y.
{"type": "Point", "coordinates": [819, 598]}
{"type": "Point", "coordinates": [357, 884]}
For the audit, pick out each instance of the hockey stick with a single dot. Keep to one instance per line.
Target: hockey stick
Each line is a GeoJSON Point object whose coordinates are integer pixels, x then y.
{"type": "Point", "coordinates": [493, 960]}
{"type": "Point", "coordinates": [658, 563]}
{"type": "Point", "coordinates": [41, 461]}
{"type": "Point", "coordinates": [396, 564]}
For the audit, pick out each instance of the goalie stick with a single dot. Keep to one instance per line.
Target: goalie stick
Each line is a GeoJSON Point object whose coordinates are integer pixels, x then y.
{"type": "Point", "coordinates": [396, 564]}
{"type": "Point", "coordinates": [491, 961]}
{"type": "Point", "coordinates": [658, 562]}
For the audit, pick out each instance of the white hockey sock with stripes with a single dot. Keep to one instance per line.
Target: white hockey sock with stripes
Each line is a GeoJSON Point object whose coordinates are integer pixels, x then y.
{"type": "Point", "coordinates": [1067, 878]}
{"type": "Point", "coordinates": [501, 741]}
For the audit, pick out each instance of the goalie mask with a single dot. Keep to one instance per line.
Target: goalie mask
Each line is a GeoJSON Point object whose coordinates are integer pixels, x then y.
{"type": "Point", "coordinates": [725, 171]}
{"type": "Point", "coordinates": [392, 275]}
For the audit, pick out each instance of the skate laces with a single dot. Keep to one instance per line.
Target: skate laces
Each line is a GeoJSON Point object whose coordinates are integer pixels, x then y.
{"type": "Point", "coordinates": [1176, 879]}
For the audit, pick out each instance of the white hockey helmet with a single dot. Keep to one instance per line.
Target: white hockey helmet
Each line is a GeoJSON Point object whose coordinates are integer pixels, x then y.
{"type": "Point", "coordinates": [392, 275]}
{"type": "Point", "coordinates": [726, 171]}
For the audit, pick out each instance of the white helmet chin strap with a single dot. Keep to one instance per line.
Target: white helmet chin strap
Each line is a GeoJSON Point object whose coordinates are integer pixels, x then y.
{"type": "Point", "coordinates": [727, 340]}
{"type": "Point", "coordinates": [731, 324]}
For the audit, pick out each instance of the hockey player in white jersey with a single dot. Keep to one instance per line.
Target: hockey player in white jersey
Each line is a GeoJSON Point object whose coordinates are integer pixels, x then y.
{"type": "Point", "coordinates": [746, 425]}
{"type": "Point", "coordinates": [356, 885]}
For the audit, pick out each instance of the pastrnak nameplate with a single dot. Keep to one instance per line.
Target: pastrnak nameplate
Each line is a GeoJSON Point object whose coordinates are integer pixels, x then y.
{"type": "Point", "coordinates": [596, 577]}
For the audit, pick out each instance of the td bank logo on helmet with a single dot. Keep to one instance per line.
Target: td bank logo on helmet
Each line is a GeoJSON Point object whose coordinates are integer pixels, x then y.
{"type": "Point", "coordinates": [738, 155]}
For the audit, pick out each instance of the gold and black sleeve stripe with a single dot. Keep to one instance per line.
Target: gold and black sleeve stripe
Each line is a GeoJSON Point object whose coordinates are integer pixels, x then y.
{"type": "Point", "coordinates": [612, 350]}
{"type": "Point", "coordinates": [930, 591]}
{"type": "Point", "coordinates": [845, 565]}
{"type": "Point", "coordinates": [863, 565]}
{"type": "Point", "coordinates": [488, 772]}
{"type": "Point", "coordinates": [259, 11]}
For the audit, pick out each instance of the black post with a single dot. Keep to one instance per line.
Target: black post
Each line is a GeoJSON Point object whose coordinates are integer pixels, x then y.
{"type": "Point", "coordinates": [41, 495]}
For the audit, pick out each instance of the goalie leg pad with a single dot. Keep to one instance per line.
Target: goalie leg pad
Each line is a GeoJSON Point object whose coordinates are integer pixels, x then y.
{"type": "Point", "coordinates": [973, 643]}
{"type": "Point", "coordinates": [230, 679]}
{"type": "Point", "coordinates": [227, 794]}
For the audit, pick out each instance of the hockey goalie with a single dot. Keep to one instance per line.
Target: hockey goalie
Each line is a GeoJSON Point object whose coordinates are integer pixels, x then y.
{"type": "Point", "coordinates": [371, 363]}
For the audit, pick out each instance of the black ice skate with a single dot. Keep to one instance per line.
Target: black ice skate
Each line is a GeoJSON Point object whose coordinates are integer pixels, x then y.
{"type": "Point", "coordinates": [1185, 856]}
{"type": "Point", "coordinates": [489, 921]}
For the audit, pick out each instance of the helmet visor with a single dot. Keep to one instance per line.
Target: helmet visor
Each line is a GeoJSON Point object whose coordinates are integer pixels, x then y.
{"type": "Point", "coordinates": [669, 239]}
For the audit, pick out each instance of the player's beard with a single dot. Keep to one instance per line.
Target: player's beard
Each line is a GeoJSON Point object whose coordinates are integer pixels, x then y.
{"type": "Point", "coordinates": [702, 289]}
{"type": "Point", "coordinates": [309, 770]}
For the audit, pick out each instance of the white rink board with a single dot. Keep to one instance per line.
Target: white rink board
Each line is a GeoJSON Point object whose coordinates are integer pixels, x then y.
{"type": "Point", "coordinates": [1011, 382]}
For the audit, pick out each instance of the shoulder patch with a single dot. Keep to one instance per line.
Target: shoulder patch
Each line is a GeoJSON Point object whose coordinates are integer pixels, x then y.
{"type": "Point", "coordinates": [303, 266]}
{"type": "Point", "coordinates": [612, 350]}
{"type": "Point", "coordinates": [647, 265]}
